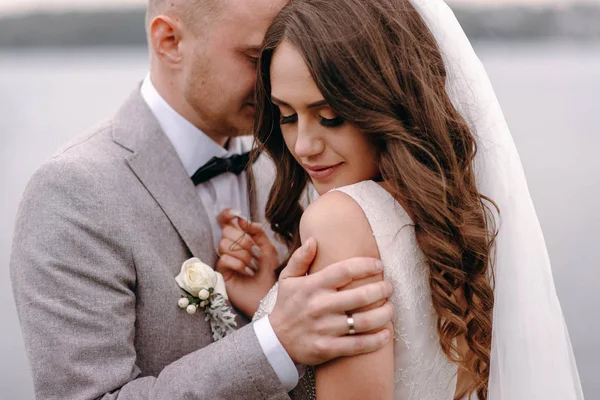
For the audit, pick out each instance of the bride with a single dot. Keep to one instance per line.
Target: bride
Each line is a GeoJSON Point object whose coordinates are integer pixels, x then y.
{"type": "Point", "coordinates": [392, 121]}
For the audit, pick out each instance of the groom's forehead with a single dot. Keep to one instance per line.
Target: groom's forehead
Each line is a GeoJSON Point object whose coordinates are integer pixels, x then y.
{"type": "Point", "coordinates": [257, 11]}
{"type": "Point", "coordinates": [248, 20]}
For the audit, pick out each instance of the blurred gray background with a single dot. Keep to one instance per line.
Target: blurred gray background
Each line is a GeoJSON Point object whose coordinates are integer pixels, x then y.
{"type": "Point", "coordinates": [61, 72]}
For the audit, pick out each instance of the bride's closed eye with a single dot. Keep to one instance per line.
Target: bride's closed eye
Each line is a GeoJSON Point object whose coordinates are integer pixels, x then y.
{"type": "Point", "coordinates": [332, 122]}
{"type": "Point", "coordinates": [326, 122]}
{"type": "Point", "coordinates": [288, 119]}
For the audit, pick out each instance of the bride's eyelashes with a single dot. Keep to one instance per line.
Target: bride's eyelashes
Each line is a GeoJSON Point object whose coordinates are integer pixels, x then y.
{"type": "Point", "coordinates": [332, 122]}
{"type": "Point", "coordinates": [289, 119]}
{"type": "Point", "coordinates": [326, 122]}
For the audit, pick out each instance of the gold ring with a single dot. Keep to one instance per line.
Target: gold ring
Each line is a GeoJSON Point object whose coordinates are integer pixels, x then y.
{"type": "Point", "coordinates": [351, 330]}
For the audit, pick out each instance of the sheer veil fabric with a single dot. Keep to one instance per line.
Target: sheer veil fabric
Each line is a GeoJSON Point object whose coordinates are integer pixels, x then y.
{"type": "Point", "coordinates": [531, 355]}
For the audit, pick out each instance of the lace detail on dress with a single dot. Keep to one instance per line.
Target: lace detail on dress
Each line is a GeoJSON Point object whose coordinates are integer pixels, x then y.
{"type": "Point", "coordinates": [421, 370]}
{"type": "Point", "coordinates": [267, 304]}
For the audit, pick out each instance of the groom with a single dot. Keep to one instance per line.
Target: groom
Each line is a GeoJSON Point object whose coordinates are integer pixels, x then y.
{"type": "Point", "coordinates": [105, 225]}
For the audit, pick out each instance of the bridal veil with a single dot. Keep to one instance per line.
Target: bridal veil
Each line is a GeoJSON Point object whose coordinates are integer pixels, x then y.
{"type": "Point", "coordinates": [531, 355]}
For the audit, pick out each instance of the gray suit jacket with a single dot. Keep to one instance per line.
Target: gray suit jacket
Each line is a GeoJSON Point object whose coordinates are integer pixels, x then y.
{"type": "Point", "coordinates": [101, 233]}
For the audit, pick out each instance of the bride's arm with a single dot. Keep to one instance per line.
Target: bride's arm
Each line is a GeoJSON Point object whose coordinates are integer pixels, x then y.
{"type": "Point", "coordinates": [342, 231]}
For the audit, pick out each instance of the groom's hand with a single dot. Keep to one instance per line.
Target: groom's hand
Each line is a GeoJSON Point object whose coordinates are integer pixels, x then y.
{"type": "Point", "coordinates": [310, 319]}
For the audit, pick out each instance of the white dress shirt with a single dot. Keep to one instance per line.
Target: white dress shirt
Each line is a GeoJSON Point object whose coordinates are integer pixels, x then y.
{"type": "Point", "coordinates": [227, 190]}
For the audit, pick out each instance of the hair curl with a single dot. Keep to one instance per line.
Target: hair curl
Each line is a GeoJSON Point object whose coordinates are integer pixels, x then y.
{"type": "Point", "coordinates": [379, 67]}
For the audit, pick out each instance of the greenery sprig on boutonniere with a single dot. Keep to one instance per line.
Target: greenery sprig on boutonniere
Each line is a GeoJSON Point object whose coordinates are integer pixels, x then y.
{"type": "Point", "coordinates": [205, 289]}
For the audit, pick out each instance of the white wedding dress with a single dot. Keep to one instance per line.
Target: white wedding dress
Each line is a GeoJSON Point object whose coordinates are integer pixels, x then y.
{"type": "Point", "coordinates": [422, 371]}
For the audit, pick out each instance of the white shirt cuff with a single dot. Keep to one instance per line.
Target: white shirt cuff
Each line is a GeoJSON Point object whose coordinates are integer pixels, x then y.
{"type": "Point", "coordinates": [278, 358]}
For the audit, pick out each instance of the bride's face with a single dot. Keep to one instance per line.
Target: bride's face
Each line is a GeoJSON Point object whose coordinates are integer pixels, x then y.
{"type": "Point", "coordinates": [333, 152]}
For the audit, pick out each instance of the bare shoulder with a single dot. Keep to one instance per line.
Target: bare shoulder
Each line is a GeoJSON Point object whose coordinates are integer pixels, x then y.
{"type": "Point", "coordinates": [334, 212]}
{"type": "Point", "coordinates": [340, 227]}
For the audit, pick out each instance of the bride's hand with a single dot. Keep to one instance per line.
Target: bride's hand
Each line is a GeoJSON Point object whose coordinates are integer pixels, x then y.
{"type": "Point", "coordinates": [247, 261]}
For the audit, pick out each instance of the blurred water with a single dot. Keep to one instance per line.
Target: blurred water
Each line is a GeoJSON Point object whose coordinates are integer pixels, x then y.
{"type": "Point", "coordinates": [548, 93]}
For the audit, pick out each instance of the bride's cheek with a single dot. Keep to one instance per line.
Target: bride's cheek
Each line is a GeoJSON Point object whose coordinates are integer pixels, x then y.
{"type": "Point", "coordinates": [290, 142]}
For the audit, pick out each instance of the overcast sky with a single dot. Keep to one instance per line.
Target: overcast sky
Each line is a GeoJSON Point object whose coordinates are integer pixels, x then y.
{"type": "Point", "coordinates": [9, 6]}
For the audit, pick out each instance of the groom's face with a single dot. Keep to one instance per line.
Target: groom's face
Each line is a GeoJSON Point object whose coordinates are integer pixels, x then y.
{"type": "Point", "coordinates": [220, 78]}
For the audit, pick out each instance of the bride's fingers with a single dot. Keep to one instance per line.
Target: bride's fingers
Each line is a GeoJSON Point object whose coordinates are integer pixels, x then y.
{"type": "Point", "coordinates": [258, 233]}
{"type": "Point", "coordinates": [228, 262]}
{"type": "Point", "coordinates": [228, 247]}
{"type": "Point", "coordinates": [241, 239]}
{"type": "Point", "coordinates": [253, 228]}
{"type": "Point", "coordinates": [228, 216]}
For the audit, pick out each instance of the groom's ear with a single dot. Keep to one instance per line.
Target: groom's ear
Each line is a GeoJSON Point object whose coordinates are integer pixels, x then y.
{"type": "Point", "coordinates": [165, 39]}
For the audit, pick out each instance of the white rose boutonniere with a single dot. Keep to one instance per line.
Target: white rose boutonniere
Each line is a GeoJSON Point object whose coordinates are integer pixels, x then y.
{"type": "Point", "coordinates": [205, 289]}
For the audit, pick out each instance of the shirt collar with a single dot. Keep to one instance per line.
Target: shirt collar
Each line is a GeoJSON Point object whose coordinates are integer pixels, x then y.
{"type": "Point", "coordinates": [192, 145]}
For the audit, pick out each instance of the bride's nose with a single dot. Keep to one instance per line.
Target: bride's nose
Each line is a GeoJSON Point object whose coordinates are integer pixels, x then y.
{"type": "Point", "coordinates": [308, 143]}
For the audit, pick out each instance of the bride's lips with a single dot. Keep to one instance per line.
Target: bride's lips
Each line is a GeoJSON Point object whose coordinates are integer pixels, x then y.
{"type": "Point", "coordinates": [320, 172]}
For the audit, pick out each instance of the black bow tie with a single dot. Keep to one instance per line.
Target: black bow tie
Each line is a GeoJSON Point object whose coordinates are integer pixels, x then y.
{"type": "Point", "coordinates": [217, 166]}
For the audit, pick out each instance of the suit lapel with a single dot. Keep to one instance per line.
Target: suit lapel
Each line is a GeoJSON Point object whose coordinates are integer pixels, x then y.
{"type": "Point", "coordinates": [158, 167]}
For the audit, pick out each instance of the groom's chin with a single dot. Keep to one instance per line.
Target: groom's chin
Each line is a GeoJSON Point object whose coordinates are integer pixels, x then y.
{"type": "Point", "coordinates": [244, 124]}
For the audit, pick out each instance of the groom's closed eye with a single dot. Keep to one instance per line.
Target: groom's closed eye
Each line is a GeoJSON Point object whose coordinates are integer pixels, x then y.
{"type": "Point", "coordinates": [252, 53]}
{"type": "Point", "coordinates": [252, 58]}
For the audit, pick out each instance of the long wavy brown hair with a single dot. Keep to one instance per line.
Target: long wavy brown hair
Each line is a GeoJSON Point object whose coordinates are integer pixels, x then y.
{"type": "Point", "coordinates": [379, 67]}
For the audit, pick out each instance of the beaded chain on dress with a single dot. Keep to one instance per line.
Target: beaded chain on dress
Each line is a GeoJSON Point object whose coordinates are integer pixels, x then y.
{"type": "Point", "coordinates": [422, 371]}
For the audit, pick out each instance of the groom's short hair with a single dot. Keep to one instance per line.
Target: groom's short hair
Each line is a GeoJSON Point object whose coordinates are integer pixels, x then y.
{"type": "Point", "coordinates": [195, 14]}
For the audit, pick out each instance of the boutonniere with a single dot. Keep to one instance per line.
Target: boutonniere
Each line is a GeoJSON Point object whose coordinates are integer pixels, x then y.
{"type": "Point", "coordinates": [205, 289]}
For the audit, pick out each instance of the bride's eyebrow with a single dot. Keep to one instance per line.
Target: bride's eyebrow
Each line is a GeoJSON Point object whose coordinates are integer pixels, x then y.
{"type": "Point", "coordinates": [315, 104]}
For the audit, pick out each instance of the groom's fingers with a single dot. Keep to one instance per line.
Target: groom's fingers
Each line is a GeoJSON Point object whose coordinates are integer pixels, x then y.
{"type": "Point", "coordinates": [359, 297]}
{"type": "Point", "coordinates": [354, 345]}
{"type": "Point", "coordinates": [300, 261]}
{"type": "Point", "coordinates": [342, 273]}
{"type": "Point", "coordinates": [367, 321]}
{"type": "Point", "coordinates": [363, 322]}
